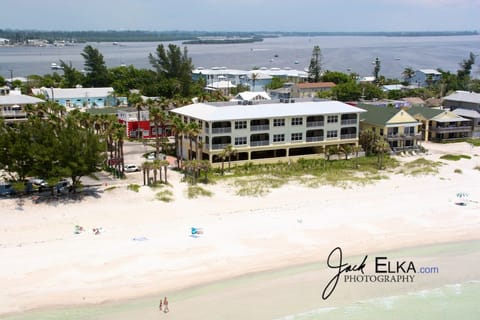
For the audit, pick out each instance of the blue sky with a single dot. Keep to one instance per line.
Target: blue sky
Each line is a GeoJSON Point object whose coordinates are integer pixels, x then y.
{"type": "Point", "coordinates": [242, 15]}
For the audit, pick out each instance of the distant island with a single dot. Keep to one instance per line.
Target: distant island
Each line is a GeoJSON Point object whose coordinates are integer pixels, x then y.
{"type": "Point", "coordinates": [223, 40]}
{"type": "Point", "coordinates": [22, 37]}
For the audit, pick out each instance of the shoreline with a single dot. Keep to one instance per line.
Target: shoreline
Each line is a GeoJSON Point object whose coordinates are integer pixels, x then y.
{"type": "Point", "coordinates": [46, 264]}
{"type": "Point", "coordinates": [273, 279]}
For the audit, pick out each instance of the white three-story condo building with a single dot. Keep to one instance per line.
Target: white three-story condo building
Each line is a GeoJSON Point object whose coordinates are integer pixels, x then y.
{"type": "Point", "coordinates": [269, 130]}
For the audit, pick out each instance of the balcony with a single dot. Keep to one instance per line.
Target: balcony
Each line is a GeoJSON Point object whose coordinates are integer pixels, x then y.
{"type": "Point", "coordinates": [262, 127]}
{"type": "Point", "coordinates": [222, 130]}
{"type": "Point", "coordinates": [13, 114]}
{"type": "Point", "coordinates": [259, 143]}
{"type": "Point", "coordinates": [348, 136]}
{"type": "Point", "coordinates": [349, 122]}
{"type": "Point", "coordinates": [452, 129]}
{"type": "Point", "coordinates": [315, 139]}
{"type": "Point", "coordinates": [219, 146]}
{"type": "Point", "coordinates": [404, 136]}
{"type": "Point", "coordinates": [332, 138]}
{"type": "Point", "coordinates": [311, 124]}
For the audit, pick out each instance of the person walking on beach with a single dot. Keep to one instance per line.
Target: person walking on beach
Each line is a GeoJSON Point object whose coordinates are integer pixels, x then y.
{"type": "Point", "coordinates": [160, 305]}
{"type": "Point", "coordinates": [165, 304]}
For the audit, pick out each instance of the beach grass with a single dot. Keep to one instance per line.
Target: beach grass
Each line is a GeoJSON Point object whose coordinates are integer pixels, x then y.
{"type": "Point", "coordinates": [259, 179]}
{"type": "Point", "coordinates": [110, 188]}
{"type": "Point", "coordinates": [195, 191]}
{"type": "Point", "coordinates": [165, 195]}
{"type": "Point", "coordinates": [420, 166]}
{"type": "Point", "coordinates": [459, 171]}
{"type": "Point", "coordinates": [133, 187]}
{"type": "Point", "coordinates": [454, 157]}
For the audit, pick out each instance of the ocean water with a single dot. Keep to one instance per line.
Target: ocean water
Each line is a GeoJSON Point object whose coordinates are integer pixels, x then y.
{"type": "Point", "coordinates": [457, 301]}
{"type": "Point", "coordinates": [345, 54]}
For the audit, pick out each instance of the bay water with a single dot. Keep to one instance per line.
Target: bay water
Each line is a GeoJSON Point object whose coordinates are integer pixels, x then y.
{"type": "Point", "coordinates": [340, 53]}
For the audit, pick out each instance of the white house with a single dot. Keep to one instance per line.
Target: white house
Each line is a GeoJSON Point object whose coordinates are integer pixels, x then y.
{"type": "Point", "coordinates": [270, 131]}
{"type": "Point", "coordinates": [13, 102]}
{"type": "Point", "coordinates": [249, 96]}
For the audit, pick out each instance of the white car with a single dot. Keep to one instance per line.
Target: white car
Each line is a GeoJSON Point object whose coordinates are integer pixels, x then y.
{"type": "Point", "coordinates": [131, 168]}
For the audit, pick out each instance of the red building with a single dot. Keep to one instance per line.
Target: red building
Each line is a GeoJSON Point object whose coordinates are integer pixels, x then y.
{"type": "Point", "coordinates": [138, 128]}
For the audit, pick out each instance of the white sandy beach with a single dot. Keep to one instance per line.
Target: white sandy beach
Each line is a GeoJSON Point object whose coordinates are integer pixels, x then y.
{"type": "Point", "coordinates": [44, 264]}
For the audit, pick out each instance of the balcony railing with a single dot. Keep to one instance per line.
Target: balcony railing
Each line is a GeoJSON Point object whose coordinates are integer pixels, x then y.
{"type": "Point", "coordinates": [348, 136]}
{"type": "Point", "coordinates": [262, 127]}
{"type": "Point", "coordinates": [315, 139]}
{"type": "Point", "coordinates": [13, 114]}
{"type": "Point", "coordinates": [219, 146]}
{"type": "Point", "coordinates": [349, 121]}
{"type": "Point", "coordinates": [332, 138]}
{"type": "Point", "coordinates": [222, 130]}
{"type": "Point", "coordinates": [259, 143]}
{"type": "Point", "coordinates": [207, 130]}
{"type": "Point", "coordinates": [403, 136]}
{"type": "Point", "coordinates": [315, 124]}
{"type": "Point", "coordinates": [452, 128]}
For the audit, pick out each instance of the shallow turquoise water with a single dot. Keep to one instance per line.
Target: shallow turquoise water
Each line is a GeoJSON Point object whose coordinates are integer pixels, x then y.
{"type": "Point", "coordinates": [459, 301]}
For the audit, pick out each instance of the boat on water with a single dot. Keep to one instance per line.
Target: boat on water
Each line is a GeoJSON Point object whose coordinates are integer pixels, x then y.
{"type": "Point", "coordinates": [55, 66]}
{"type": "Point", "coordinates": [296, 62]}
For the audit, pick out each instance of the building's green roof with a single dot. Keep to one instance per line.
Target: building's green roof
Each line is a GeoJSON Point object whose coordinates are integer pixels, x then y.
{"type": "Point", "coordinates": [377, 115]}
{"type": "Point", "coordinates": [427, 113]}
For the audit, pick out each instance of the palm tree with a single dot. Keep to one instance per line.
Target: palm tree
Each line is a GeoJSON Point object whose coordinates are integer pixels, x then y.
{"type": "Point", "coordinates": [157, 165]}
{"type": "Point", "coordinates": [229, 152]}
{"type": "Point", "coordinates": [119, 135]}
{"type": "Point", "coordinates": [164, 164]}
{"type": "Point", "coordinates": [408, 74]}
{"type": "Point", "coordinates": [146, 171]}
{"type": "Point", "coordinates": [223, 156]}
{"type": "Point", "coordinates": [381, 146]}
{"type": "Point", "coordinates": [157, 116]}
{"type": "Point", "coordinates": [254, 76]}
{"type": "Point", "coordinates": [205, 165]}
{"type": "Point", "coordinates": [134, 99]}
{"type": "Point", "coordinates": [346, 149]}
{"type": "Point", "coordinates": [193, 131]}
{"type": "Point", "coordinates": [179, 128]}
{"type": "Point", "coordinates": [356, 149]}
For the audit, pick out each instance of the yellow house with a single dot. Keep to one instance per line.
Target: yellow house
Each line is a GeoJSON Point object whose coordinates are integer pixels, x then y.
{"type": "Point", "coordinates": [397, 126]}
{"type": "Point", "coordinates": [441, 125]}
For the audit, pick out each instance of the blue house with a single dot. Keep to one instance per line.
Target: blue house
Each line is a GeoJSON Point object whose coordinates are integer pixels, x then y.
{"type": "Point", "coordinates": [82, 97]}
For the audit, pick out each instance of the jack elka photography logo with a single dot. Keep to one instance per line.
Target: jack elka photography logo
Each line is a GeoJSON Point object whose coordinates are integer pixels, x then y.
{"type": "Point", "coordinates": [386, 271]}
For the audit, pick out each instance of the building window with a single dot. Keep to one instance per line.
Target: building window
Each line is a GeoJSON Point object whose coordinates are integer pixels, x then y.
{"type": "Point", "coordinates": [279, 122]}
{"type": "Point", "coordinates": [240, 141]}
{"type": "Point", "coordinates": [297, 136]}
{"type": "Point", "coordinates": [409, 130]}
{"type": "Point", "coordinates": [332, 134]}
{"type": "Point", "coordinates": [332, 119]}
{"type": "Point", "coordinates": [278, 137]}
{"type": "Point", "coordinates": [297, 122]}
{"type": "Point", "coordinates": [240, 124]}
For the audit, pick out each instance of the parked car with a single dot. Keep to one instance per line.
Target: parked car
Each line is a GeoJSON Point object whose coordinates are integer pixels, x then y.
{"type": "Point", "coordinates": [63, 186]}
{"type": "Point", "coordinates": [151, 156]}
{"type": "Point", "coordinates": [131, 168]}
{"type": "Point", "coordinates": [6, 189]}
{"type": "Point", "coordinates": [39, 182]}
